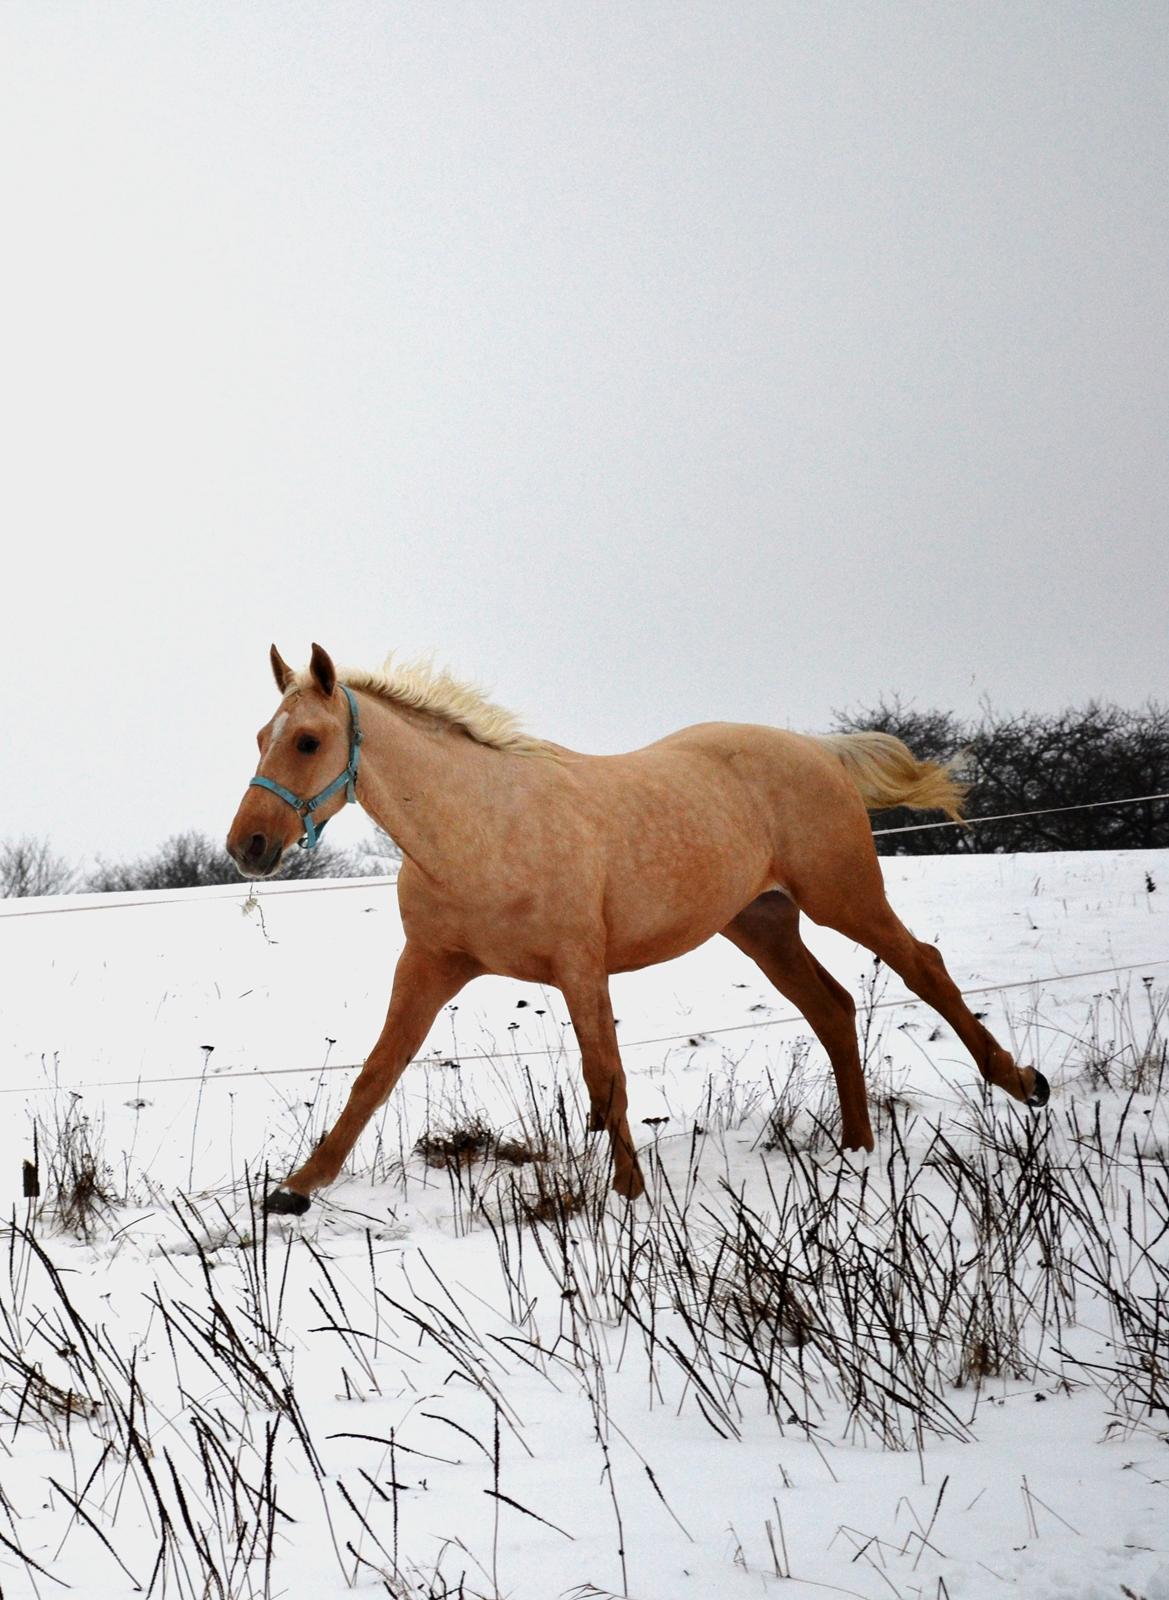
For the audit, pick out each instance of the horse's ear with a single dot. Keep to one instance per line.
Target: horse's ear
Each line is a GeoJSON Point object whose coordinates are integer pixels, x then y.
{"type": "Point", "coordinates": [281, 671]}
{"type": "Point", "coordinates": [323, 670]}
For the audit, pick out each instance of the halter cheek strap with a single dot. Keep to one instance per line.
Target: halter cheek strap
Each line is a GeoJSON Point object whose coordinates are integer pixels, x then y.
{"type": "Point", "coordinates": [347, 781]}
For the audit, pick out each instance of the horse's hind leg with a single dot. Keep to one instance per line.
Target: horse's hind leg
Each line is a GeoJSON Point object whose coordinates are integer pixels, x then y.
{"type": "Point", "coordinates": [872, 922]}
{"type": "Point", "coordinates": [423, 983]}
{"type": "Point", "coordinates": [768, 931]}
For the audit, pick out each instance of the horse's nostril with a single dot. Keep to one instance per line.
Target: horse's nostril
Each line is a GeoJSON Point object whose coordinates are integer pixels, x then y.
{"type": "Point", "coordinates": [257, 846]}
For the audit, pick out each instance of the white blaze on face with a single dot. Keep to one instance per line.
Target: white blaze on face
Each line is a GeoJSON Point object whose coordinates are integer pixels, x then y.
{"type": "Point", "coordinates": [279, 723]}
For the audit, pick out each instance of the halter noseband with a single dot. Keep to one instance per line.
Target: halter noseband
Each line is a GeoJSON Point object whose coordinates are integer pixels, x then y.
{"type": "Point", "coordinates": [348, 780]}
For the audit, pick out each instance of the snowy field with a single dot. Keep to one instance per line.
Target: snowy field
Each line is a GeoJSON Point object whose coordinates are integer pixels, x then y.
{"type": "Point", "coordinates": [939, 1371]}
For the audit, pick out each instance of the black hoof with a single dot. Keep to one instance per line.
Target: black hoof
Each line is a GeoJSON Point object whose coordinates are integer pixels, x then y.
{"type": "Point", "coordinates": [1041, 1093]}
{"type": "Point", "coordinates": [283, 1203]}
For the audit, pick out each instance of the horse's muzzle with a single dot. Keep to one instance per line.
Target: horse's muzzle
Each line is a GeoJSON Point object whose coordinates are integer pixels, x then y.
{"type": "Point", "coordinates": [257, 856]}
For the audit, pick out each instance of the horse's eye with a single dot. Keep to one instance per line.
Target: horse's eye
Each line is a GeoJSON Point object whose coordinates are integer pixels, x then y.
{"type": "Point", "coordinates": [306, 744]}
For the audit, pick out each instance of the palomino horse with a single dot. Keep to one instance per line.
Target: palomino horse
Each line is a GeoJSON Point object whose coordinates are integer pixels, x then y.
{"type": "Point", "coordinates": [525, 859]}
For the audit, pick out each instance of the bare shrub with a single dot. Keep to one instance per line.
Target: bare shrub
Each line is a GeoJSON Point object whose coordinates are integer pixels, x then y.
{"type": "Point", "coordinates": [459, 1145]}
{"type": "Point", "coordinates": [805, 1113]}
{"type": "Point", "coordinates": [191, 860]}
{"type": "Point", "coordinates": [559, 1195]}
{"type": "Point", "coordinates": [79, 1189]}
{"type": "Point", "coordinates": [731, 1100]}
{"type": "Point", "coordinates": [1031, 762]}
{"type": "Point", "coordinates": [1124, 1044]}
{"type": "Point", "coordinates": [29, 867]}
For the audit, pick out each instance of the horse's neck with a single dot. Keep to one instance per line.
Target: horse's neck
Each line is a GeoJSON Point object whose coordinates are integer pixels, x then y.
{"type": "Point", "coordinates": [425, 783]}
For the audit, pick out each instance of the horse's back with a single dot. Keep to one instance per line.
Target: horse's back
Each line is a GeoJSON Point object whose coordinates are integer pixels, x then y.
{"type": "Point", "coordinates": [696, 825]}
{"type": "Point", "coordinates": [818, 825]}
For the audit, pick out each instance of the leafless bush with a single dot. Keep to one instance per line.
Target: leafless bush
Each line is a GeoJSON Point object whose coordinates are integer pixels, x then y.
{"type": "Point", "coordinates": [805, 1108]}
{"type": "Point", "coordinates": [193, 861]}
{"type": "Point", "coordinates": [1124, 1044]}
{"type": "Point", "coordinates": [1031, 762]}
{"type": "Point", "coordinates": [78, 1188]}
{"type": "Point", "coordinates": [458, 1145]}
{"type": "Point", "coordinates": [29, 867]}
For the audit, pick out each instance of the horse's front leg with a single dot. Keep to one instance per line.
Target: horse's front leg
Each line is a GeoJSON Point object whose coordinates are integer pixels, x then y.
{"type": "Point", "coordinates": [424, 981]}
{"type": "Point", "coordinates": [587, 997]}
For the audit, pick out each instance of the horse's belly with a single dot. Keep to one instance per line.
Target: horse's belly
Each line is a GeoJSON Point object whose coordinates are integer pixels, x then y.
{"type": "Point", "coordinates": [641, 935]}
{"type": "Point", "coordinates": [631, 956]}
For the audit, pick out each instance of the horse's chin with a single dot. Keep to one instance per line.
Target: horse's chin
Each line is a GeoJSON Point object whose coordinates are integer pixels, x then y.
{"type": "Point", "coordinates": [256, 872]}
{"type": "Point", "coordinates": [260, 874]}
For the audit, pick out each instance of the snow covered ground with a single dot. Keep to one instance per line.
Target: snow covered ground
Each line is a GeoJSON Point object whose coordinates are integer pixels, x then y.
{"type": "Point", "coordinates": [940, 1371]}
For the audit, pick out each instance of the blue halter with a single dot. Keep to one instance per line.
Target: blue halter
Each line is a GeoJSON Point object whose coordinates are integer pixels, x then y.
{"type": "Point", "coordinates": [348, 780]}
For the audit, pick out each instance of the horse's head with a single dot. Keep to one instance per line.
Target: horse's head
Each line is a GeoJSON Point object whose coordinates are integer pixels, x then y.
{"type": "Point", "coordinates": [307, 769]}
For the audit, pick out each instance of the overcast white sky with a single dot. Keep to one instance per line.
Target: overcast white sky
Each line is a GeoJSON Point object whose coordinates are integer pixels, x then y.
{"type": "Point", "coordinates": [646, 362]}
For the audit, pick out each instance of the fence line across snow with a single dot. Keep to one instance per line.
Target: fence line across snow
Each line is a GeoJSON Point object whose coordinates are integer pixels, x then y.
{"type": "Point", "coordinates": [1011, 816]}
{"type": "Point", "coordinates": [696, 1034]}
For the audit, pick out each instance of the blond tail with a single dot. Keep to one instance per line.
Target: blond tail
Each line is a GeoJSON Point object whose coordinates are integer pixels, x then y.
{"type": "Point", "coordinates": [887, 774]}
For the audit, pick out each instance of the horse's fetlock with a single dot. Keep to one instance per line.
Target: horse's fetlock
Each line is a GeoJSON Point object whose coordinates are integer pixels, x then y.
{"type": "Point", "coordinates": [628, 1182]}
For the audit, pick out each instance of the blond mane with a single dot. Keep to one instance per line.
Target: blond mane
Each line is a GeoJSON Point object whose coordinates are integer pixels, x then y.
{"type": "Point", "coordinates": [420, 686]}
